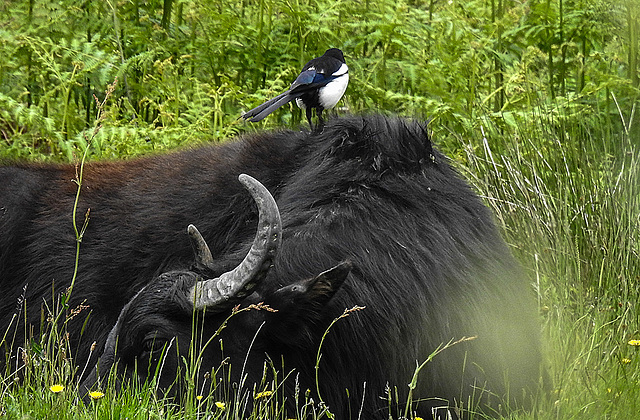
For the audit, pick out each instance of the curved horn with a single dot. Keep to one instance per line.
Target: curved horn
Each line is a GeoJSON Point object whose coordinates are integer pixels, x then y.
{"type": "Point", "coordinates": [200, 247]}
{"type": "Point", "coordinates": [238, 283]}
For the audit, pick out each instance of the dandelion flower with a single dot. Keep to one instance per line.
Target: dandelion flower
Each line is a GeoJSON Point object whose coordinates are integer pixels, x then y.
{"type": "Point", "coordinates": [96, 395]}
{"type": "Point", "coordinates": [199, 397]}
{"type": "Point", "coordinates": [220, 405]}
{"type": "Point", "coordinates": [418, 418]}
{"type": "Point", "coordinates": [57, 388]}
{"type": "Point", "coordinates": [635, 343]}
{"type": "Point", "coordinates": [263, 394]}
{"type": "Point", "coordinates": [625, 361]}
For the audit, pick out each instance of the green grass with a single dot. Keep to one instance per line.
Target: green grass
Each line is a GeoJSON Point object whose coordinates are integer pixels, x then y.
{"type": "Point", "coordinates": [568, 198]}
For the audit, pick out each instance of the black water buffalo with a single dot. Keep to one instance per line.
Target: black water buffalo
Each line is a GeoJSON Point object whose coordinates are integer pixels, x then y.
{"type": "Point", "coordinates": [367, 214]}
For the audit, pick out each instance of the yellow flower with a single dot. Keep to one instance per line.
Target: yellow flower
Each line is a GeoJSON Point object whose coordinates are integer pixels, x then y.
{"type": "Point", "coordinates": [263, 394]}
{"type": "Point", "coordinates": [418, 418]}
{"type": "Point", "coordinates": [56, 388]}
{"type": "Point", "coordinates": [220, 405]}
{"type": "Point", "coordinates": [625, 361]}
{"type": "Point", "coordinates": [199, 397]}
{"type": "Point", "coordinates": [635, 343]}
{"type": "Point", "coordinates": [96, 395]}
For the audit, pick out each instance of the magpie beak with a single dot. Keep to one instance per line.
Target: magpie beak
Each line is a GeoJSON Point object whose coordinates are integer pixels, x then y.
{"type": "Point", "coordinates": [319, 86]}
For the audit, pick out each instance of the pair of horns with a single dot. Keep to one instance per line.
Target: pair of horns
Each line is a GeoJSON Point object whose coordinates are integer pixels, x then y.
{"type": "Point", "coordinates": [223, 292]}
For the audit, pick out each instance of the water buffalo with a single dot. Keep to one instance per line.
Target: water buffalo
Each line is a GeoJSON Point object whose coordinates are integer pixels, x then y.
{"type": "Point", "coordinates": [365, 213]}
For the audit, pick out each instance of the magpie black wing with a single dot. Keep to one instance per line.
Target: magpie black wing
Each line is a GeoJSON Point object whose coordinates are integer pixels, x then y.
{"type": "Point", "coordinates": [310, 79]}
{"type": "Point", "coordinates": [307, 80]}
{"type": "Point", "coordinates": [304, 79]}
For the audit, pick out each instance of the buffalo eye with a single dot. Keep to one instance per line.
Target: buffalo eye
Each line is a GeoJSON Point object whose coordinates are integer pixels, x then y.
{"type": "Point", "coordinates": [147, 346]}
{"type": "Point", "coordinates": [152, 344]}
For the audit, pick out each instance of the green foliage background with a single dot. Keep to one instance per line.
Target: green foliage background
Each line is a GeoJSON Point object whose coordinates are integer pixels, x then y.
{"type": "Point", "coordinates": [187, 69]}
{"type": "Point", "coordinates": [535, 101]}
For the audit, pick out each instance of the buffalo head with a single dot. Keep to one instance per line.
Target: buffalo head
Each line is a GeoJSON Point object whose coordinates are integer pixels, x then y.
{"type": "Point", "coordinates": [202, 313]}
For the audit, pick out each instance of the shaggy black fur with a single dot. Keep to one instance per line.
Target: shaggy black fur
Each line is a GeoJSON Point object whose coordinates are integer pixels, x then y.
{"type": "Point", "coordinates": [428, 263]}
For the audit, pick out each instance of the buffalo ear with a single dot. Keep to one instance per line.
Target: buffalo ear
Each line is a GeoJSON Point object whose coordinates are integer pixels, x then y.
{"type": "Point", "coordinates": [322, 287]}
{"type": "Point", "coordinates": [301, 305]}
{"type": "Point", "coordinates": [313, 293]}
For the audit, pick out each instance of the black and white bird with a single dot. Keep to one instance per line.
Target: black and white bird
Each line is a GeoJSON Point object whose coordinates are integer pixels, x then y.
{"type": "Point", "coordinates": [319, 86]}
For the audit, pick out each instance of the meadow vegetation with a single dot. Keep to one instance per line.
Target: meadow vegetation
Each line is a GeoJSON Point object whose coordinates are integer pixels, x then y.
{"type": "Point", "coordinates": [534, 101]}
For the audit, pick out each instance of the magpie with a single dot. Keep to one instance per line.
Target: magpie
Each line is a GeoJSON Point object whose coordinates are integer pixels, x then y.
{"type": "Point", "coordinates": [319, 86]}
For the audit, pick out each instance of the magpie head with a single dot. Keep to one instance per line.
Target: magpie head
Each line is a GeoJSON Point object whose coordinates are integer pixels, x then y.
{"type": "Point", "coordinates": [335, 53]}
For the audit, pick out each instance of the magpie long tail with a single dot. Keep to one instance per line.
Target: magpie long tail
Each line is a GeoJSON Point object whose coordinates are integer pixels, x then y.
{"type": "Point", "coordinates": [261, 111]}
